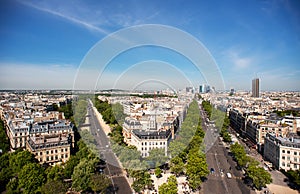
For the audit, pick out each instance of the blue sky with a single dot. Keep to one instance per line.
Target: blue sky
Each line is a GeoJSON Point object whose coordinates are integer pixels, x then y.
{"type": "Point", "coordinates": [43, 43]}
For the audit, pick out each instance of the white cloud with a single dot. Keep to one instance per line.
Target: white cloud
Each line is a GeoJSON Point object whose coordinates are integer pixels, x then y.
{"type": "Point", "coordinates": [100, 19]}
{"type": "Point", "coordinates": [239, 61]}
{"type": "Point", "coordinates": [66, 16]}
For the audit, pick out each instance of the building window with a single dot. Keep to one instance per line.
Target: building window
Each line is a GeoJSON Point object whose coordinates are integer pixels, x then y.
{"type": "Point", "coordinates": [62, 156]}
{"type": "Point", "coordinates": [288, 158]}
{"type": "Point", "coordinates": [288, 165]}
{"type": "Point", "coordinates": [47, 152]}
{"type": "Point", "coordinates": [283, 151]}
{"type": "Point", "coordinates": [66, 155]}
{"type": "Point", "coordinates": [288, 152]}
{"type": "Point", "coordinates": [51, 151]}
{"type": "Point", "coordinates": [47, 158]}
{"type": "Point", "coordinates": [283, 157]}
{"type": "Point", "coordinates": [295, 153]}
{"type": "Point", "coordinates": [66, 149]}
{"type": "Point", "coordinates": [295, 159]}
{"type": "Point", "coordinates": [55, 151]}
{"type": "Point", "coordinates": [62, 150]}
{"type": "Point", "coordinates": [283, 164]}
{"type": "Point", "coordinates": [295, 166]}
{"type": "Point", "coordinates": [41, 153]}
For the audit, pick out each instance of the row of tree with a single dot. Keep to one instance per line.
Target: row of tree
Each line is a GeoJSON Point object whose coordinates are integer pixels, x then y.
{"type": "Point", "coordinates": [259, 176]}
{"type": "Point", "coordinates": [187, 151]}
{"type": "Point", "coordinates": [4, 142]}
{"type": "Point", "coordinates": [112, 114]}
{"type": "Point", "coordinates": [220, 119]}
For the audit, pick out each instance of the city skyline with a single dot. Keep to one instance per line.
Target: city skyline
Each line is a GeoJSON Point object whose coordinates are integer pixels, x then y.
{"type": "Point", "coordinates": [43, 43]}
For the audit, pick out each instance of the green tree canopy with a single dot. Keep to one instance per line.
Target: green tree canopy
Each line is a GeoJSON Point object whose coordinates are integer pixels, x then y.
{"type": "Point", "coordinates": [157, 156]}
{"type": "Point", "coordinates": [19, 159]}
{"type": "Point", "coordinates": [170, 187]}
{"type": "Point", "coordinates": [31, 177]}
{"type": "Point", "coordinates": [196, 169]}
{"type": "Point", "coordinates": [177, 165]}
{"type": "Point", "coordinates": [54, 187]}
{"type": "Point", "coordinates": [259, 176]}
{"type": "Point", "coordinates": [82, 173]}
{"type": "Point", "coordinates": [99, 183]}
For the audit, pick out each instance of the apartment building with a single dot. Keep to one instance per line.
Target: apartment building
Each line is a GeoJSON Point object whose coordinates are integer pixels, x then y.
{"type": "Point", "coordinates": [282, 152]}
{"type": "Point", "coordinates": [148, 140]}
{"type": "Point", "coordinates": [237, 121]}
{"type": "Point", "coordinates": [50, 149]}
{"type": "Point", "coordinates": [129, 125]}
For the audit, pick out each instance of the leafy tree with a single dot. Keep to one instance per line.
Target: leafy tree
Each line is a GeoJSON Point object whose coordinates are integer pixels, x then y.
{"type": "Point", "coordinates": [259, 176]}
{"type": "Point", "coordinates": [12, 186]}
{"type": "Point", "coordinates": [54, 187]}
{"type": "Point", "coordinates": [99, 183]}
{"type": "Point", "coordinates": [196, 169]}
{"type": "Point", "coordinates": [172, 179]}
{"type": "Point", "coordinates": [4, 141]}
{"type": "Point", "coordinates": [128, 155]}
{"type": "Point", "coordinates": [170, 187]}
{"type": "Point", "coordinates": [157, 156]}
{"type": "Point", "coordinates": [176, 148]}
{"type": "Point", "coordinates": [80, 111]}
{"type": "Point", "coordinates": [177, 165]}
{"type": "Point", "coordinates": [294, 176]}
{"type": "Point", "coordinates": [5, 171]}
{"type": "Point", "coordinates": [81, 175]}
{"type": "Point", "coordinates": [118, 112]}
{"type": "Point", "coordinates": [31, 177]}
{"type": "Point", "coordinates": [19, 159]}
{"type": "Point", "coordinates": [67, 110]}
{"type": "Point", "coordinates": [70, 165]}
{"type": "Point", "coordinates": [142, 180]}
{"type": "Point", "coordinates": [158, 172]}
{"type": "Point", "coordinates": [55, 173]}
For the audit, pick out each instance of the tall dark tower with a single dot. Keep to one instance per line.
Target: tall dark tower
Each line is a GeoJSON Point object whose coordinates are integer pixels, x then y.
{"type": "Point", "coordinates": [255, 88]}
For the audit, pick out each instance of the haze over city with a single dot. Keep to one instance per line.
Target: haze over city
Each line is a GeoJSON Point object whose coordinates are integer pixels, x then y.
{"type": "Point", "coordinates": [43, 43]}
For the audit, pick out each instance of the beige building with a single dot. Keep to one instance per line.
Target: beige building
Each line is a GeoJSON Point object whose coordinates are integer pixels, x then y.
{"type": "Point", "coordinates": [50, 149]}
{"type": "Point", "coordinates": [283, 153]}
{"type": "Point", "coordinates": [129, 125]}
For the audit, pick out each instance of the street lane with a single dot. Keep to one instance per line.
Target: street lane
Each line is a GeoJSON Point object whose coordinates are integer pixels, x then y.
{"type": "Point", "coordinates": [217, 157]}
{"type": "Point", "coordinates": [113, 168]}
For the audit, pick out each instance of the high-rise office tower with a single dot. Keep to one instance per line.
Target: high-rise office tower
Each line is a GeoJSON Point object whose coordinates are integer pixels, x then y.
{"type": "Point", "coordinates": [255, 88]}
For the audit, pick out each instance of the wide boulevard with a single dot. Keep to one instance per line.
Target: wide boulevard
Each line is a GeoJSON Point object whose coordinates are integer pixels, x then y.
{"type": "Point", "coordinates": [113, 168]}
{"type": "Point", "coordinates": [218, 159]}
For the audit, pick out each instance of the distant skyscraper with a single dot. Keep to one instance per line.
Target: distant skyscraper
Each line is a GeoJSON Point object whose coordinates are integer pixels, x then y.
{"type": "Point", "coordinates": [204, 88]}
{"type": "Point", "coordinates": [255, 88]}
{"type": "Point", "coordinates": [231, 91]}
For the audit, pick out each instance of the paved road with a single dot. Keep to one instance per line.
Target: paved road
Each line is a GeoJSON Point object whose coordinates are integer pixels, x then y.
{"type": "Point", "coordinates": [217, 157]}
{"type": "Point", "coordinates": [113, 168]}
